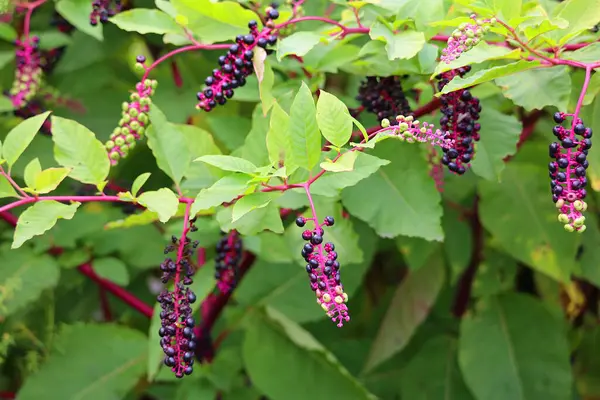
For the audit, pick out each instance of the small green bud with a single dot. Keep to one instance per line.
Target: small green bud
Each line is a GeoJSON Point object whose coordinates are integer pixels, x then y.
{"type": "Point", "coordinates": [154, 83]}
{"type": "Point", "coordinates": [133, 112]}
{"type": "Point", "coordinates": [493, 21]}
{"type": "Point", "coordinates": [564, 218]}
{"type": "Point", "coordinates": [148, 83]}
{"type": "Point", "coordinates": [125, 106]}
{"type": "Point", "coordinates": [463, 26]}
{"type": "Point", "coordinates": [470, 33]}
{"type": "Point", "coordinates": [579, 222]}
{"type": "Point", "coordinates": [457, 34]}
{"type": "Point", "coordinates": [119, 141]}
{"type": "Point", "coordinates": [115, 156]}
{"type": "Point", "coordinates": [585, 206]}
{"type": "Point", "coordinates": [130, 138]}
{"type": "Point", "coordinates": [139, 67]}
{"type": "Point", "coordinates": [469, 42]}
{"type": "Point", "coordinates": [581, 229]}
{"type": "Point", "coordinates": [131, 145]}
{"type": "Point", "coordinates": [560, 203]}
{"type": "Point", "coordinates": [110, 144]}
{"type": "Point", "coordinates": [410, 118]}
{"type": "Point", "coordinates": [385, 123]}
{"type": "Point", "coordinates": [141, 131]}
{"type": "Point", "coordinates": [569, 228]}
{"type": "Point", "coordinates": [578, 204]}
{"type": "Point", "coordinates": [403, 126]}
{"type": "Point", "coordinates": [143, 118]}
{"type": "Point", "coordinates": [125, 131]}
{"type": "Point", "coordinates": [134, 97]}
{"type": "Point", "coordinates": [134, 125]}
{"type": "Point", "coordinates": [126, 118]}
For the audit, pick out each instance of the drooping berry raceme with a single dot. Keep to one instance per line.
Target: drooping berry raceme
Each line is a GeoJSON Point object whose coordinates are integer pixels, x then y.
{"type": "Point", "coordinates": [414, 131]}
{"type": "Point", "coordinates": [460, 112]}
{"type": "Point", "coordinates": [177, 325]}
{"type": "Point", "coordinates": [102, 10]}
{"type": "Point", "coordinates": [134, 121]}
{"type": "Point", "coordinates": [227, 261]}
{"type": "Point", "coordinates": [465, 37]}
{"type": "Point", "coordinates": [384, 97]}
{"type": "Point", "coordinates": [237, 65]}
{"type": "Point", "coordinates": [323, 270]}
{"type": "Point", "coordinates": [568, 171]}
{"type": "Point", "coordinates": [28, 75]}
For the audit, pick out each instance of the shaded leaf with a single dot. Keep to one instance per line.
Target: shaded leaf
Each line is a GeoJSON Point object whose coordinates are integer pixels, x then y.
{"type": "Point", "coordinates": [20, 137]}
{"type": "Point", "coordinates": [39, 218]}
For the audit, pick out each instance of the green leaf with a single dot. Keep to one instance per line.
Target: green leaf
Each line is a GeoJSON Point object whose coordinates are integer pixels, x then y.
{"type": "Point", "coordinates": [343, 164]}
{"type": "Point", "coordinates": [228, 163]}
{"type": "Point", "coordinates": [5, 103]}
{"type": "Point", "coordinates": [215, 22]}
{"type": "Point", "coordinates": [224, 190]}
{"type": "Point", "coordinates": [258, 220]}
{"type": "Point", "coordinates": [266, 79]}
{"type": "Point", "coordinates": [251, 202]}
{"type": "Point", "coordinates": [364, 166]}
{"type": "Point", "coordinates": [581, 16]}
{"type": "Point", "coordinates": [77, 13]}
{"type": "Point", "coordinates": [298, 43]}
{"type": "Point", "coordinates": [76, 147]}
{"type": "Point", "coordinates": [401, 45]}
{"type": "Point", "coordinates": [588, 54]}
{"type": "Point", "coordinates": [278, 141]}
{"type": "Point", "coordinates": [517, 213]}
{"type": "Point", "coordinates": [144, 21]}
{"type": "Point", "coordinates": [486, 75]}
{"type": "Point", "coordinates": [500, 134]}
{"type": "Point", "coordinates": [204, 283]}
{"type": "Point", "coordinates": [119, 354]}
{"type": "Point", "coordinates": [478, 54]}
{"type": "Point", "coordinates": [112, 269]}
{"type": "Point", "coordinates": [39, 218]}
{"type": "Point", "coordinates": [49, 179]}
{"type": "Point", "coordinates": [303, 131]}
{"type": "Point", "coordinates": [536, 89]}
{"type": "Point", "coordinates": [433, 373]}
{"type": "Point", "coordinates": [31, 171]}
{"type": "Point", "coordinates": [20, 137]}
{"type": "Point", "coordinates": [139, 182]}
{"type": "Point", "coordinates": [162, 201]}
{"type": "Point", "coordinates": [6, 189]}
{"type": "Point", "coordinates": [7, 32]}
{"type": "Point", "coordinates": [412, 301]}
{"type": "Point", "coordinates": [333, 119]}
{"type": "Point", "coordinates": [526, 365]}
{"type": "Point", "coordinates": [302, 354]}
{"type": "Point", "coordinates": [23, 278]}
{"type": "Point", "coordinates": [416, 210]}
{"type": "Point", "coordinates": [168, 145]}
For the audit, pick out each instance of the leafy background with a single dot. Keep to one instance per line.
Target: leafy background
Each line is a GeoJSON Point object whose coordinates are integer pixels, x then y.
{"type": "Point", "coordinates": [472, 293]}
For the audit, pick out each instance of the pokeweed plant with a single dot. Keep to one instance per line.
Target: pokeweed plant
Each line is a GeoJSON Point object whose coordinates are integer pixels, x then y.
{"type": "Point", "coordinates": [283, 181]}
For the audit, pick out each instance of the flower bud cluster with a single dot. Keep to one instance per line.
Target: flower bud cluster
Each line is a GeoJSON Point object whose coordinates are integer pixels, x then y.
{"type": "Point", "coordinates": [134, 121]}
{"type": "Point", "coordinates": [384, 97]}
{"type": "Point", "coordinates": [465, 37]}
{"type": "Point", "coordinates": [323, 270]}
{"type": "Point", "coordinates": [237, 65]}
{"type": "Point", "coordinates": [178, 340]}
{"type": "Point", "coordinates": [413, 131]}
{"type": "Point", "coordinates": [568, 171]}
{"type": "Point", "coordinates": [460, 111]}
{"type": "Point", "coordinates": [227, 261]}
{"type": "Point", "coordinates": [102, 10]}
{"type": "Point", "coordinates": [28, 76]}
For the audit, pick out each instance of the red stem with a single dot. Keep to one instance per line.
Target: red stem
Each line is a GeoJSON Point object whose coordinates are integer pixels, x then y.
{"type": "Point", "coordinates": [105, 305]}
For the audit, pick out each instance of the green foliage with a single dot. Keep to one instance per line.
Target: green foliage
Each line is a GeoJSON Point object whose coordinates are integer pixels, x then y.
{"type": "Point", "coordinates": [462, 287]}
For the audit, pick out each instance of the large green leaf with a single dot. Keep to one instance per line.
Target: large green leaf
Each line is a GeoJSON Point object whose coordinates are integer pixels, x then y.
{"type": "Point", "coordinates": [486, 75]}
{"type": "Point", "coordinates": [499, 137]}
{"type": "Point", "coordinates": [581, 15]}
{"type": "Point", "coordinates": [119, 355]}
{"type": "Point", "coordinates": [278, 142]}
{"type": "Point", "coordinates": [409, 307]}
{"type": "Point", "coordinates": [162, 201]}
{"type": "Point", "coordinates": [144, 21]}
{"type": "Point", "coordinates": [20, 137]}
{"type": "Point", "coordinates": [23, 277]}
{"type": "Point", "coordinates": [49, 179]}
{"type": "Point", "coordinates": [302, 355]}
{"type": "Point", "coordinates": [76, 147]}
{"type": "Point", "coordinates": [536, 89]}
{"type": "Point", "coordinates": [6, 189]}
{"type": "Point", "coordinates": [224, 190]}
{"type": "Point", "coordinates": [77, 13]}
{"type": "Point", "coordinates": [298, 43]}
{"type": "Point", "coordinates": [215, 22]}
{"type": "Point", "coordinates": [333, 119]}
{"type": "Point", "coordinates": [305, 138]}
{"type": "Point", "coordinates": [39, 218]}
{"type": "Point", "coordinates": [253, 222]}
{"type": "Point", "coordinates": [520, 214]}
{"type": "Point", "coordinates": [400, 45]}
{"type": "Point", "coordinates": [502, 357]}
{"type": "Point", "coordinates": [433, 373]}
{"type": "Point", "coordinates": [399, 199]}
{"type": "Point", "coordinates": [113, 269]}
{"type": "Point", "coordinates": [228, 163]}
{"type": "Point", "coordinates": [251, 202]}
{"type": "Point", "coordinates": [168, 145]}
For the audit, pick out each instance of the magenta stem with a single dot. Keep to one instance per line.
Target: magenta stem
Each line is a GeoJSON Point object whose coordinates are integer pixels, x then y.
{"type": "Point", "coordinates": [183, 50]}
{"type": "Point", "coordinates": [12, 182]}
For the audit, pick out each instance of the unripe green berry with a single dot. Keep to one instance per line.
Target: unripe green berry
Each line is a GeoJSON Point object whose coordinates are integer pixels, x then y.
{"type": "Point", "coordinates": [578, 204]}
{"type": "Point", "coordinates": [125, 131]}
{"type": "Point", "coordinates": [403, 126]}
{"type": "Point", "coordinates": [581, 229]}
{"type": "Point", "coordinates": [564, 218]}
{"type": "Point", "coordinates": [125, 106]}
{"type": "Point", "coordinates": [560, 203]}
{"type": "Point", "coordinates": [130, 138]}
{"type": "Point", "coordinates": [579, 222]}
{"type": "Point", "coordinates": [385, 123]}
{"type": "Point", "coordinates": [133, 112]}
{"type": "Point", "coordinates": [114, 156]}
{"type": "Point", "coordinates": [141, 131]}
{"type": "Point", "coordinates": [134, 125]}
{"type": "Point", "coordinates": [119, 141]}
{"type": "Point", "coordinates": [569, 228]}
{"type": "Point", "coordinates": [139, 67]}
{"type": "Point", "coordinates": [126, 118]}
{"type": "Point", "coordinates": [110, 144]}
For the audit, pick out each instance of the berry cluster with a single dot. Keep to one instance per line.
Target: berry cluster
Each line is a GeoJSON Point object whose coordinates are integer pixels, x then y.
{"type": "Point", "coordinates": [227, 261]}
{"type": "Point", "coordinates": [102, 10]}
{"type": "Point", "coordinates": [460, 111]}
{"type": "Point", "coordinates": [177, 325]}
{"type": "Point", "coordinates": [237, 65]}
{"type": "Point", "coordinates": [28, 75]}
{"type": "Point", "coordinates": [133, 123]}
{"type": "Point", "coordinates": [465, 37]}
{"type": "Point", "coordinates": [383, 97]}
{"type": "Point", "coordinates": [410, 130]}
{"type": "Point", "coordinates": [323, 270]}
{"type": "Point", "coordinates": [568, 171]}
